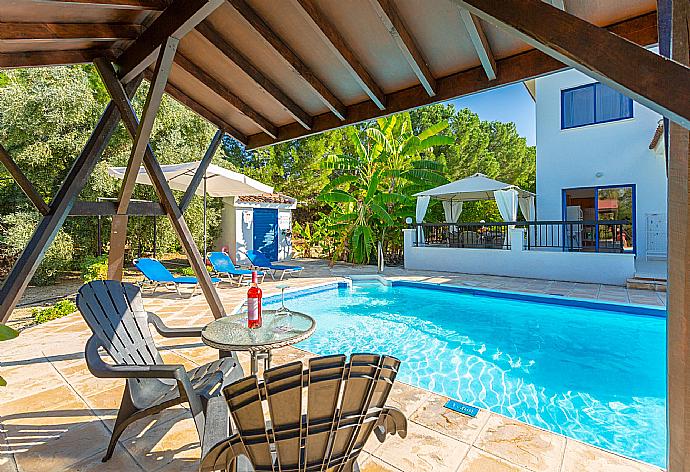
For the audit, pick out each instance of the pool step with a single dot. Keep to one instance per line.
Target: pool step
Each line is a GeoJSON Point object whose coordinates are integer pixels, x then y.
{"type": "Point", "coordinates": [646, 283]}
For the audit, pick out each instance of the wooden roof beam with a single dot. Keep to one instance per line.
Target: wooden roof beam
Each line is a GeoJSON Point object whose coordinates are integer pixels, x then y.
{"type": "Point", "coordinates": [176, 21]}
{"type": "Point", "coordinates": [606, 57]}
{"type": "Point", "coordinates": [225, 93]}
{"type": "Point", "coordinates": [480, 43]}
{"type": "Point", "coordinates": [47, 58]}
{"type": "Point", "coordinates": [292, 60]}
{"type": "Point", "coordinates": [390, 17]}
{"type": "Point", "coordinates": [259, 78]}
{"type": "Point", "coordinates": [59, 31]}
{"type": "Point", "coordinates": [642, 30]}
{"type": "Point", "coordinates": [341, 50]}
{"type": "Point", "coordinates": [152, 5]}
{"type": "Point", "coordinates": [200, 110]}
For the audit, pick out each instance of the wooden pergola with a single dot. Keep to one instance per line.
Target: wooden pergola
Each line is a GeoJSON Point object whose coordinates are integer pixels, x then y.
{"type": "Point", "coordinates": [266, 71]}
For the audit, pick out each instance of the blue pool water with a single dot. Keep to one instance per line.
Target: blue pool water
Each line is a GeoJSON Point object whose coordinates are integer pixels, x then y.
{"type": "Point", "coordinates": [594, 375]}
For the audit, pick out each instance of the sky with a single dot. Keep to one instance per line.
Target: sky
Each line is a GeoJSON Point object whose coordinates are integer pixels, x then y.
{"type": "Point", "coordinates": [510, 103]}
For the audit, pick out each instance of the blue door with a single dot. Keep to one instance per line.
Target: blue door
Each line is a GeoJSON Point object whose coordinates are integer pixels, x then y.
{"type": "Point", "coordinates": [266, 232]}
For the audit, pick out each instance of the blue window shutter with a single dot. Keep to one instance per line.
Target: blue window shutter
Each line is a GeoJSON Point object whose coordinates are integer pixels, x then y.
{"type": "Point", "coordinates": [266, 232]}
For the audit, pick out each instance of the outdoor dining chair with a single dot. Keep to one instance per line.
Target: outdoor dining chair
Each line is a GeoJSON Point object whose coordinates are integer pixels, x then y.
{"type": "Point", "coordinates": [157, 275]}
{"type": "Point", "coordinates": [332, 433]}
{"type": "Point", "coordinates": [226, 270]}
{"type": "Point", "coordinates": [260, 261]}
{"type": "Point", "coordinates": [120, 325]}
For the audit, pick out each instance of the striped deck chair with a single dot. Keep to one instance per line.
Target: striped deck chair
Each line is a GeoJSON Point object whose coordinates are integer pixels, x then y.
{"type": "Point", "coordinates": [331, 434]}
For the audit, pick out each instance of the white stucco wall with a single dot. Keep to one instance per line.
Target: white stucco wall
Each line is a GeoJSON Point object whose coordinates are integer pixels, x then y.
{"type": "Point", "coordinates": [573, 157]}
{"type": "Point", "coordinates": [613, 269]}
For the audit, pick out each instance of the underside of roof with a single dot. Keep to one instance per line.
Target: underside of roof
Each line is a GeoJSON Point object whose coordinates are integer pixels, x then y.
{"type": "Point", "coordinates": [267, 71]}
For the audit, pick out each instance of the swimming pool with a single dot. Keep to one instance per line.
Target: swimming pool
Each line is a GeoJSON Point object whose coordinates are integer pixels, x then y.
{"type": "Point", "coordinates": [591, 371]}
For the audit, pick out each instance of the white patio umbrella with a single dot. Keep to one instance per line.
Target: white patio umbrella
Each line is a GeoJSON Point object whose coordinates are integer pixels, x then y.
{"type": "Point", "coordinates": [217, 182]}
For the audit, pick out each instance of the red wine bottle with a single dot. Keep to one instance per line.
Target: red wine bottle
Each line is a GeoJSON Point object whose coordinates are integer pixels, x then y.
{"type": "Point", "coordinates": [254, 303]}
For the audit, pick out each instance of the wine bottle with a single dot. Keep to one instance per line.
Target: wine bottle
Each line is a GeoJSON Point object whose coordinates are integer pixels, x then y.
{"type": "Point", "coordinates": [254, 303]}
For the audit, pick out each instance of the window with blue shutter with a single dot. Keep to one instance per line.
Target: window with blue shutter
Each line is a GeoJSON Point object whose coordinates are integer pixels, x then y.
{"type": "Point", "coordinates": [593, 103]}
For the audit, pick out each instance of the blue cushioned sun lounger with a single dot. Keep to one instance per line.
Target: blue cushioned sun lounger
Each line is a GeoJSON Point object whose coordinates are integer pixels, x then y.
{"type": "Point", "coordinates": [259, 260]}
{"type": "Point", "coordinates": [225, 268]}
{"type": "Point", "coordinates": [157, 275]}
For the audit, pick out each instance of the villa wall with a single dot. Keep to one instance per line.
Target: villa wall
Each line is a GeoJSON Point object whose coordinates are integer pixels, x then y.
{"type": "Point", "coordinates": [613, 269]}
{"type": "Point", "coordinates": [618, 151]}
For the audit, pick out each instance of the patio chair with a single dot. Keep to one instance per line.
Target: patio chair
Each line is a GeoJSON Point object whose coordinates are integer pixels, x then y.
{"type": "Point", "coordinates": [331, 434]}
{"type": "Point", "coordinates": [157, 275]}
{"type": "Point", "coordinates": [224, 267]}
{"type": "Point", "coordinates": [470, 239]}
{"type": "Point", "coordinates": [115, 313]}
{"type": "Point", "coordinates": [260, 261]}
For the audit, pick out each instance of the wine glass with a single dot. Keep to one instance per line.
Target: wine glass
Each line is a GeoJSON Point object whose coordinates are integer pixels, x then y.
{"type": "Point", "coordinates": [282, 310]}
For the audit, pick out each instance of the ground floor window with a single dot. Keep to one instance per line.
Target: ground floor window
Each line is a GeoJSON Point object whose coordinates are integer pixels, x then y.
{"type": "Point", "coordinates": [607, 214]}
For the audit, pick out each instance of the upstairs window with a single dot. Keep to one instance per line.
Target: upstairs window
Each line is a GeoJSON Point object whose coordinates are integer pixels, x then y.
{"type": "Point", "coordinates": [593, 103]}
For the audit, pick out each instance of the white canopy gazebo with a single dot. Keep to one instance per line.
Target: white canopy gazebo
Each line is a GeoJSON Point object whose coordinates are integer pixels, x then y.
{"type": "Point", "coordinates": [477, 187]}
{"type": "Point", "coordinates": [217, 182]}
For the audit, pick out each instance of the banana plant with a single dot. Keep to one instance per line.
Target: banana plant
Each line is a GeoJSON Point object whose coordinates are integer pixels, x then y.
{"type": "Point", "coordinates": [6, 333]}
{"type": "Point", "coordinates": [371, 189]}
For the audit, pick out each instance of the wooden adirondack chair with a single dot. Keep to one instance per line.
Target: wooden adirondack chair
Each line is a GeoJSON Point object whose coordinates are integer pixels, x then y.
{"type": "Point", "coordinates": [115, 313]}
{"type": "Point", "coordinates": [344, 405]}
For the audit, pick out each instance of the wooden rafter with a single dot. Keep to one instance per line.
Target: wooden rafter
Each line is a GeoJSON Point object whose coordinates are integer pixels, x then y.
{"type": "Point", "coordinates": [222, 91]}
{"type": "Point", "coordinates": [339, 47]}
{"type": "Point", "coordinates": [154, 5]}
{"type": "Point", "coordinates": [291, 59]}
{"type": "Point", "coordinates": [480, 43]}
{"type": "Point", "coordinates": [23, 181]}
{"type": "Point", "coordinates": [201, 171]}
{"type": "Point", "coordinates": [594, 51]}
{"type": "Point", "coordinates": [44, 234]}
{"type": "Point", "coordinates": [200, 110]}
{"type": "Point", "coordinates": [255, 74]}
{"type": "Point", "coordinates": [45, 58]}
{"type": "Point", "coordinates": [533, 63]}
{"type": "Point", "coordinates": [390, 17]}
{"type": "Point", "coordinates": [59, 31]}
{"type": "Point", "coordinates": [177, 20]}
{"type": "Point", "coordinates": [165, 195]}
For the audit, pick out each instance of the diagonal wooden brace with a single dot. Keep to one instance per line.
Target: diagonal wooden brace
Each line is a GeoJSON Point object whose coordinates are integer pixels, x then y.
{"type": "Point", "coordinates": [44, 234]}
{"type": "Point", "coordinates": [162, 188]}
{"type": "Point", "coordinates": [118, 229]}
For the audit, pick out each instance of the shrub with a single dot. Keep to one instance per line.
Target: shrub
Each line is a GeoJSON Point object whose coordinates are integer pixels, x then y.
{"type": "Point", "coordinates": [62, 308]}
{"type": "Point", "coordinates": [18, 228]}
{"type": "Point", "coordinates": [94, 268]}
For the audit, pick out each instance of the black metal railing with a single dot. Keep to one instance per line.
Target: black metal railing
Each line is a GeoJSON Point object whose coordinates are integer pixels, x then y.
{"type": "Point", "coordinates": [583, 236]}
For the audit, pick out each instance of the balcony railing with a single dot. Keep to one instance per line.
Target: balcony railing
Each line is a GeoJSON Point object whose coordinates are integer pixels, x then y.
{"type": "Point", "coordinates": [585, 236]}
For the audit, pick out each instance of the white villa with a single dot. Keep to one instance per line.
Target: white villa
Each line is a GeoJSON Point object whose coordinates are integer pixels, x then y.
{"type": "Point", "coordinates": [599, 214]}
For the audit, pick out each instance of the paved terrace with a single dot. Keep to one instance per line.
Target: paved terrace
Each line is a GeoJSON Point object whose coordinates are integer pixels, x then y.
{"type": "Point", "coordinates": [54, 415]}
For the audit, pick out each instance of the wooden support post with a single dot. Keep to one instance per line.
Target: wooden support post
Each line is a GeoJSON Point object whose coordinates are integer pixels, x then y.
{"type": "Point", "coordinates": [44, 234]}
{"type": "Point", "coordinates": [162, 188]}
{"type": "Point", "coordinates": [201, 170]}
{"type": "Point", "coordinates": [118, 230]}
{"type": "Point", "coordinates": [23, 182]}
{"type": "Point", "coordinates": [678, 321]}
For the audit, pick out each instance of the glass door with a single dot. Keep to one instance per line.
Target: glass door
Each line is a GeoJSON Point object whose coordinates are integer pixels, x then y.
{"type": "Point", "coordinates": [615, 219]}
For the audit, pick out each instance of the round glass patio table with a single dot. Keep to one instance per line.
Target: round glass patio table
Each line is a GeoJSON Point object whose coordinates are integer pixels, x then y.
{"type": "Point", "coordinates": [278, 329]}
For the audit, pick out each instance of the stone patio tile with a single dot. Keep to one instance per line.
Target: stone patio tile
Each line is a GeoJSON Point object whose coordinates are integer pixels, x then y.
{"type": "Point", "coordinates": [579, 457]}
{"type": "Point", "coordinates": [422, 450]}
{"type": "Point", "coordinates": [44, 401]}
{"type": "Point", "coordinates": [481, 461]}
{"type": "Point", "coordinates": [522, 444]}
{"type": "Point", "coordinates": [57, 447]}
{"type": "Point", "coordinates": [27, 378]}
{"type": "Point", "coordinates": [172, 446]}
{"type": "Point", "coordinates": [407, 398]}
{"type": "Point", "coordinates": [434, 415]}
{"type": "Point", "coordinates": [121, 461]}
{"type": "Point", "coordinates": [374, 464]}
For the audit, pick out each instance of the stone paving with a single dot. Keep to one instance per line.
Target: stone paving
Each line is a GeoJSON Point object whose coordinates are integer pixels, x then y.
{"type": "Point", "coordinates": [54, 415]}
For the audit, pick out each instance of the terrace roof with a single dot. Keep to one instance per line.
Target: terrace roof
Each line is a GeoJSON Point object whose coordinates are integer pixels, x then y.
{"type": "Point", "coordinates": [267, 71]}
